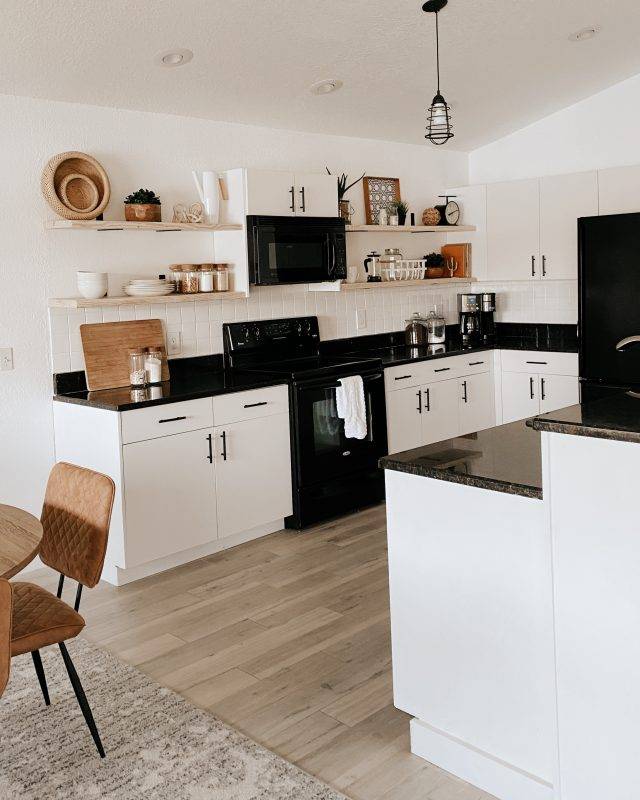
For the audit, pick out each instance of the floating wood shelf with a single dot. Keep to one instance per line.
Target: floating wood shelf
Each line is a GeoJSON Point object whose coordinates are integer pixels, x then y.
{"type": "Point", "coordinates": [123, 225]}
{"type": "Point", "coordinates": [425, 283]}
{"type": "Point", "coordinates": [82, 302]}
{"type": "Point", "coordinates": [409, 228]}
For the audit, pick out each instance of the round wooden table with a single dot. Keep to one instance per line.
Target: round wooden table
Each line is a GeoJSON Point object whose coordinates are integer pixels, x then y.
{"type": "Point", "coordinates": [20, 536]}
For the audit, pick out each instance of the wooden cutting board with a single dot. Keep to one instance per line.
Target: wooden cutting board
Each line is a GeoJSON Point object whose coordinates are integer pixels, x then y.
{"type": "Point", "coordinates": [106, 348]}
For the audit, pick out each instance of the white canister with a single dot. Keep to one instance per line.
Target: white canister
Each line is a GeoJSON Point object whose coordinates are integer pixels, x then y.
{"type": "Point", "coordinates": [153, 365]}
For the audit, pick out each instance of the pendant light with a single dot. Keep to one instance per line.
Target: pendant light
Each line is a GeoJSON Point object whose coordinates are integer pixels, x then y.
{"type": "Point", "coordinates": [439, 128]}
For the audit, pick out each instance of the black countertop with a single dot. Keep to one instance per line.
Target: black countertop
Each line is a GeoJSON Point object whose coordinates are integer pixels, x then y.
{"type": "Point", "coordinates": [616, 417]}
{"type": "Point", "coordinates": [182, 386]}
{"type": "Point", "coordinates": [504, 459]}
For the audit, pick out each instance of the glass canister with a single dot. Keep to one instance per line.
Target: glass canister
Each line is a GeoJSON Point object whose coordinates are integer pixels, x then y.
{"type": "Point", "coordinates": [137, 374]}
{"type": "Point", "coordinates": [186, 278]}
{"type": "Point", "coordinates": [153, 365]}
{"type": "Point", "coordinates": [205, 276]}
{"type": "Point", "coordinates": [221, 278]}
{"type": "Point", "coordinates": [415, 334]}
{"type": "Point", "coordinates": [436, 328]}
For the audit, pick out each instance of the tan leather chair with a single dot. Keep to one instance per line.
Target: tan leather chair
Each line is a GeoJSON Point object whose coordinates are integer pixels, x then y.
{"type": "Point", "coordinates": [75, 520]}
{"type": "Point", "coordinates": [5, 633]}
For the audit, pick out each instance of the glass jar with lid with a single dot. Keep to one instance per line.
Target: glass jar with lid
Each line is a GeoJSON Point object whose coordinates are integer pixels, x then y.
{"type": "Point", "coordinates": [153, 365]}
{"type": "Point", "coordinates": [186, 278]}
{"type": "Point", "coordinates": [436, 328]}
{"type": "Point", "coordinates": [137, 374]}
{"type": "Point", "coordinates": [221, 278]}
{"type": "Point", "coordinates": [205, 277]}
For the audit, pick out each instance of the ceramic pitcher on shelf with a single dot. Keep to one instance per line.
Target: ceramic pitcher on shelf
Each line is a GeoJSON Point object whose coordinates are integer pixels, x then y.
{"type": "Point", "coordinates": [209, 192]}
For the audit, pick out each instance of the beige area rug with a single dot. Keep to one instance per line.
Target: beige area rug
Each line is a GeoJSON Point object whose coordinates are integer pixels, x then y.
{"type": "Point", "coordinates": [159, 747]}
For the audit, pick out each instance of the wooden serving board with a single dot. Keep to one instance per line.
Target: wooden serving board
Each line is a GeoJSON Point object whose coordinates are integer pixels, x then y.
{"type": "Point", "coordinates": [106, 348]}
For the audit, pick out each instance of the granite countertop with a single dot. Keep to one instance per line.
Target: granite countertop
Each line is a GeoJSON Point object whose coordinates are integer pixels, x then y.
{"type": "Point", "coordinates": [397, 355]}
{"type": "Point", "coordinates": [185, 386]}
{"type": "Point", "coordinates": [504, 459]}
{"type": "Point", "coordinates": [616, 417]}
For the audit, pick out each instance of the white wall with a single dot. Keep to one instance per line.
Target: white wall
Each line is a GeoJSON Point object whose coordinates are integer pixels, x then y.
{"type": "Point", "coordinates": [599, 132]}
{"type": "Point", "coordinates": [149, 150]}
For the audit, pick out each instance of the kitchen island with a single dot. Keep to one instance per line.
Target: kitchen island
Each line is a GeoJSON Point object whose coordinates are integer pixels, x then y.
{"type": "Point", "coordinates": [515, 603]}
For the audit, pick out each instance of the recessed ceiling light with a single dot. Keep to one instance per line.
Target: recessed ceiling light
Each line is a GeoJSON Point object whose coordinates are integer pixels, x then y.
{"type": "Point", "coordinates": [174, 58]}
{"type": "Point", "coordinates": [326, 86]}
{"type": "Point", "coordinates": [583, 34]}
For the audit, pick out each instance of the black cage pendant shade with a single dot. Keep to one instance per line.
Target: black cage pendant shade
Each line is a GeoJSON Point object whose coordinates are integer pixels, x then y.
{"type": "Point", "coordinates": [439, 127]}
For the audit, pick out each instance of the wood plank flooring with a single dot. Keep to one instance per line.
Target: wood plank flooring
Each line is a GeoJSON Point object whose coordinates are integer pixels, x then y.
{"type": "Point", "coordinates": [287, 639]}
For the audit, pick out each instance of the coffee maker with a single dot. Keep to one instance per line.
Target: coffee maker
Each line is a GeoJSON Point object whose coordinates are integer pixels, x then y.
{"type": "Point", "coordinates": [487, 324]}
{"type": "Point", "coordinates": [476, 318]}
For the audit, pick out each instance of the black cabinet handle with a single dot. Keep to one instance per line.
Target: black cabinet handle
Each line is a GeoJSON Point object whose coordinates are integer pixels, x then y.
{"type": "Point", "coordinates": [419, 396]}
{"type": "Point", "coordinates": [531, 388]}
{"type": "Point", "coordinates": [428, 400]}
{"type": "Point", "coordinates": [210, 456]}
{"type": "Point", "coordinates": [537, 362]}
{"type": "Point", "coordinates": [292, 191]}
{"type": "Point", "coordinates": [403, 377]}
{"type": "Point", "coordinates": [475, 363]}
{"type": "Point", "coordinates": [224, 445]}
{"type": "Point", "coordinates": [542, 388]}
{"type": "Point", "coordinates": [442, 369]}
{"type": "Point", "coordinates": [303, 206]}
{"type": "Point", "coordinates": [255, 405]}
{"type": "Point", "coordinates": [170, 419]}
{"type": "Point", "coordinates": [533, 266]}
{"type": "Point", "coordinates": [544, 266]}
{"type": "Point", "coordinates": [464, 387]}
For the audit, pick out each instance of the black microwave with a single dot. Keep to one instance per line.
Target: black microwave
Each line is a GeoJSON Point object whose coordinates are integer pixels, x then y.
{"type": "Point", "coordinates": [296, 249]}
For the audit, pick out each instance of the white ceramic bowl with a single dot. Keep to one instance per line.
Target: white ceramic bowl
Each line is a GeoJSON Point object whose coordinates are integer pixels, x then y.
{"type": "Point", "coordinates": [92, 285]}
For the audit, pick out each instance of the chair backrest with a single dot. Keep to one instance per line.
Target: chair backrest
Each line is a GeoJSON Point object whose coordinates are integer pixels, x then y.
{"type": "Point", "coordinates": [75, 521]}
{"type": "Point", "coordinates": [5, 633]}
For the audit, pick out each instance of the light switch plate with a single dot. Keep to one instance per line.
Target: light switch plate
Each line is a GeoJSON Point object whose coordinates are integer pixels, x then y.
{"type": "Point", "coordinates": [174, 343]}
{"type": "Point", "coordinates": [361, 318]}
{"type": "Point", "coordinates": [6, 358]}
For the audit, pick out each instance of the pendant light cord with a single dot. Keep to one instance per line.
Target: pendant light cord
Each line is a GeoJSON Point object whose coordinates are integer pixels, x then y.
{"type": "Point", "coordinates": [437, 53]}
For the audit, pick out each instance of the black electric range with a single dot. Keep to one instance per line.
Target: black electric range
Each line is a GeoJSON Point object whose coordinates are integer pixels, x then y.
{"type": "Point", "coordinates": [332, 474]}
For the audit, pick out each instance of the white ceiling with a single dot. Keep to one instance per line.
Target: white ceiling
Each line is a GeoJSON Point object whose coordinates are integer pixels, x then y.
{"type": "Point", "coordinates": [504, 63]}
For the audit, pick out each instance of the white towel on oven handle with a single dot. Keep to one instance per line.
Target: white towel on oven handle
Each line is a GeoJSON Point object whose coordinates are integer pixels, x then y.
{"type": "Point", "coordinates": [351, 406]}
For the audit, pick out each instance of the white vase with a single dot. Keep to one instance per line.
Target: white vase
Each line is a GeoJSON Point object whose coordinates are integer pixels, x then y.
{"type": "Point", "coordinates": [209, 193]}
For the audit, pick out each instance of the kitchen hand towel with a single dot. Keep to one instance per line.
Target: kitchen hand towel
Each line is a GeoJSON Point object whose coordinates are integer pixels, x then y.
{"type": "Point", "coordinates": [351, 407]}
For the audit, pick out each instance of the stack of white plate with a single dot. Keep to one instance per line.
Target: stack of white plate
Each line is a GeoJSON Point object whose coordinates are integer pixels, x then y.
{"type": "Point", "coordinates": [92, 285]}
{"type": "Point", "coordinates": [149, 287]}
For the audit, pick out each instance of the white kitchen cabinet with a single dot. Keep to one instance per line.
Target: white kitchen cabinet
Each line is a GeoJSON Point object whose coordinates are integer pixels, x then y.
{"type": "Point", "coordinates": [563, 199]}
{"type": "Point", "coordinates": [285, 194]}
{"type": "Point", "coordinates": [513, 224]}
{"type": "Point", "coordinates": [253, 459]}
{"type": "Point", "coordinates": [558, 391]}
{"type": "Point", "coordinates": [619, 190]}
{"type": "Point", "coordinates": [404, 422]}
{"type": "Point", "coordinates": [440, 414]}
{"type": "Point", "coordinates": [520, 396]}
{"type": "Point", "coordinates": [169, 492]}
{"type": "Point", "coordinates": [476, 402]}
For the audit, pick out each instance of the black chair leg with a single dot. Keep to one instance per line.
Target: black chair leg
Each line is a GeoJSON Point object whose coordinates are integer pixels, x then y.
{"type": "Point", "coordinates": [37, 663]}
{"type": "Point", "coordinates": [82, 698]}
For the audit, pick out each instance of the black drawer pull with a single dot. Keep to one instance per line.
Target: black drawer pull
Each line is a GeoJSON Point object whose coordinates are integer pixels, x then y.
{"type": "Point", "coordinates": [475, 363]}
{"type": "Point", "coordinates": [255, 405]}
{"type": "Point", "coordinates": [542, 393]}
{"type": "Point", "coordinates": [537, 362]}
{"type": "Point", "coordinates": [428, 401]}
{"type": "Point", "coordinates": [464, 389]}
{"type": "Point", "coordinates": [171, 419]}
{"type": "Point", "coordinates": [403, 377]}
{"type": "Point", "coordinates": [442, 369]}
{"type": "Point", "coordinates": [419, 396]}
{"type": "Point", "coordinates": [210, 441]}
{"type": "Point", "coordinates": [531, 388]}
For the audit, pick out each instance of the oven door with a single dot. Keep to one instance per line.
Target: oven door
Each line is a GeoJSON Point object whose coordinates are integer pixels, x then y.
{"type": "Point", "coordinates": [283, 250]}
{"type": "Point", "coordinates": [322, 450]}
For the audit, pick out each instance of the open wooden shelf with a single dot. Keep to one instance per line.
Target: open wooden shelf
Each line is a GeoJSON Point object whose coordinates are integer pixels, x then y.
{"type": "Point", "coordinates": [409, 228]}
{"type": "Point", "coordinates": [82, 302]}
{"type": "Point", "coordinates": [424, 283]}
{"type": "Point", "coordinates": [123, 225]}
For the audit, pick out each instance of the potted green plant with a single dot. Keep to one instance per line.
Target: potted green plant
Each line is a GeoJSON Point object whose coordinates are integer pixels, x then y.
{"type": "Point", "coordinates": [434, 263]}
{"type": "Point", "coordinates": [400, 209]}
{"type": "Point", "coordinates": [142, 206]}
{"type": "Point", "coordinates": [343, 188]}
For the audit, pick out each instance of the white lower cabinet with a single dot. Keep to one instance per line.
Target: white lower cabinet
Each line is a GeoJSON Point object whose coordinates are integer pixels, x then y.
{"type": "Point", "coordinates": [476, 403]}
{"type": "Point", "coordinates": [440, 411]}
{"type": "Point", "coordinates": [253, 461]}
{"type": "Point", "coordinates": [558, 391]}
{"type": "Point", "coordinates": [404, 421]}
{"type": "Point", "coordinates": [525, 395]}
{"type": "Point", "coordinates": [170, 503]}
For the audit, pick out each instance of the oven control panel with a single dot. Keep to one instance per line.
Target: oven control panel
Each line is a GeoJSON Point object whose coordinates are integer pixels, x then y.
{"type": "Point", "coordinates": [270, 336]}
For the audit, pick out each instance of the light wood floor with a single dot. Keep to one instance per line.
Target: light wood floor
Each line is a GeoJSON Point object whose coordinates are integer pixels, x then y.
{"type": "Point", "coordinates": [287, 639]}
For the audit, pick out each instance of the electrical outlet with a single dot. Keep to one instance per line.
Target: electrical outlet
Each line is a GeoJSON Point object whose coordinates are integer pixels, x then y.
{"type": "Point", "coordinates": [174, 343]}
{"type": "Point", "coordinates": [361, 318]}
{"type": "Point", "coordinates": [6, 358]}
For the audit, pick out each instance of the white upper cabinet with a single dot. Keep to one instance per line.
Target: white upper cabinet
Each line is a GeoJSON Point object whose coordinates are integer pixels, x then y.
{"type": "Point", "coordinates": [619, 190]}
{"type": "Point", "coordinates": [285, 194]}
{"type": "Point", "coordinates": [473, 211]}
{"type": "Point", "coordinates": [513, 225]}
{"type": "Point", "coordinates": [563, 199]}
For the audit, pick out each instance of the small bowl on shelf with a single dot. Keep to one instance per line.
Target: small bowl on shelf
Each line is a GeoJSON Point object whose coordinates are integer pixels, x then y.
{"type": "Point", "coordinates": [434, 272]}
{"type": "Point", "coordinates": [92, 285]}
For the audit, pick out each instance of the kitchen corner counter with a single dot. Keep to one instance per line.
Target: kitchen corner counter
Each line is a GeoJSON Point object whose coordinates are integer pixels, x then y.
{"type": "Point", "coordinates": [503, 459]}
{"type": "Point", "coordinates": [616, 418]}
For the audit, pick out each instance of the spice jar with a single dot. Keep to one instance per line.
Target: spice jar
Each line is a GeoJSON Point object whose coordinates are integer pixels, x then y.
{"type": "Point", "coordinates": [137, 376]}
{"type": "Point", "coordinates": [221, 278]}
{"type": "Point", "coordinates": [205, 275]}
{"type": "Point", "coordinates": [153, 365]}
{"type": "Point", "coordinates": [186, 278]}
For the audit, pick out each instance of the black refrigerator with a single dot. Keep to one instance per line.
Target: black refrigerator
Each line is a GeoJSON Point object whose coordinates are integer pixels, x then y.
{"type": "Point", "coordinates": [609, 304]}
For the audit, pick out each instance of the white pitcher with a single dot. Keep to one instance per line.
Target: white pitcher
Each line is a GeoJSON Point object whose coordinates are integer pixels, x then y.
{"type": "Point", "coordinates": [209, 192]}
